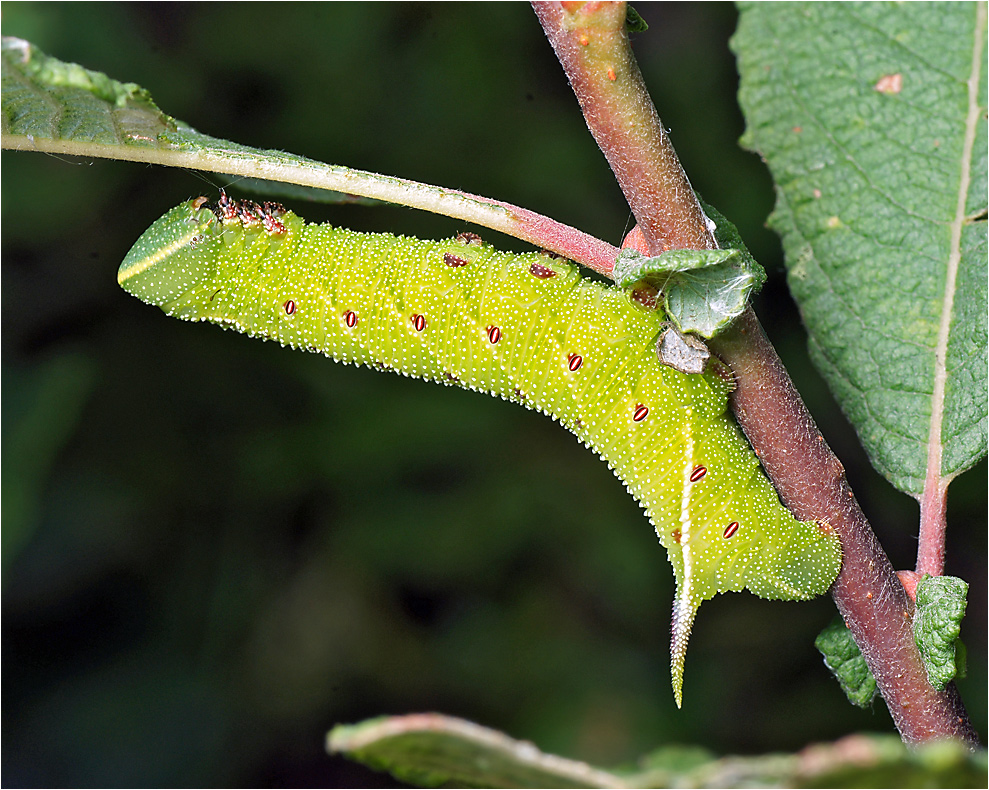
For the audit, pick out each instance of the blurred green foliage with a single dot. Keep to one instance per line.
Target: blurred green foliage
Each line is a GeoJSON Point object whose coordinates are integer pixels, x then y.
{"type": "Point", "coordinates": [225, 548]}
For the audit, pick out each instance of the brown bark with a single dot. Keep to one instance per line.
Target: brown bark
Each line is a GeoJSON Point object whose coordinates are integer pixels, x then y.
{"type": "Point", "coordinates": [592, 45]}
{"type": "Point", "coordinates": [812, 484]}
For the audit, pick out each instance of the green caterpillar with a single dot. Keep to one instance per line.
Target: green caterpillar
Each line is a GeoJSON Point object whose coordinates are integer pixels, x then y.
{"type": "Point", "coordinates": [526, 327]}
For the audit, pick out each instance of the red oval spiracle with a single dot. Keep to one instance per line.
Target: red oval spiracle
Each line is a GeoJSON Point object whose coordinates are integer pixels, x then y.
{"type": "Point", "coordinates": [574, 361]}
{"type": "Point", "coordinates": [289, 307]}
{"type": "Point", "coordinates": [350, 317]}
{"type": "Point", "coordinates": [698, 473]}
{"type": "Point", "coordinates": [540, 271]}
{"type": "Point", "coordinates": [494, 334]}
{"type": "Point", "coordinates": [731, 529]}
{"type": "Point", "coordinates": [452, 260]}
{"type": "Point", "coordinates": [419, 322]}
{"type": "Point", "coordinates": [640, 413]}
{"type": "Point", "coordinates": [677, 535]}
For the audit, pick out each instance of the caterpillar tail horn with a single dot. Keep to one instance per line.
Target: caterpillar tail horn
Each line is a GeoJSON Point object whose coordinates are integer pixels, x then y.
{"type": "Point", "coordinates": [684, 611]}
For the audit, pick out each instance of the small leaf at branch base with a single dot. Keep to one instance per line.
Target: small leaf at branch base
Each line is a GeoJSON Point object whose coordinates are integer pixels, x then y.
{"type": "Point", "coordinates": [701, 290]}
{"type": "Point", "coordinates": [846, 662]}
{"type": "Point", "coordinates": [941, 602]}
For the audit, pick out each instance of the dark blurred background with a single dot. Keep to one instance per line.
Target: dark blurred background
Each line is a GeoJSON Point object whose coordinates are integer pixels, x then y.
{"type": "Point", "coordinates": [214, 549]}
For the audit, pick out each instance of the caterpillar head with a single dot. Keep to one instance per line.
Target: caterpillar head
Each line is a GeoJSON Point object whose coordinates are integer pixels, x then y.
{"type": "Point", "coordinates": [174, 262]}
{"type": "Point", "coordinates": [167, 261]}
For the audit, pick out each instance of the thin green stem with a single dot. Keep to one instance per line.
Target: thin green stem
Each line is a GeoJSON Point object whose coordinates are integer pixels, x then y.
{"type": "Point", "coordinates": [209, 154]}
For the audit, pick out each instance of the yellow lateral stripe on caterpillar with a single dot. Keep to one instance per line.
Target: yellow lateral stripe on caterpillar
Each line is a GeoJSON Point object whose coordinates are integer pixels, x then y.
{"type": "Point", "coordinates": [526, 327]}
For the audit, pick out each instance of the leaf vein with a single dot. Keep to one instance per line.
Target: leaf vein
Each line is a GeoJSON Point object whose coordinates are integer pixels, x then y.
{"type": "Point", "coordinates": [935, 448]}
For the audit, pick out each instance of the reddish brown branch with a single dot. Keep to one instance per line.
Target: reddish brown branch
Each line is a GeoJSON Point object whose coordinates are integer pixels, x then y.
{"type": "Point", "coordinates": [812, 483]}
{"type": "Point", "coordinates": [590, 40]}
{"type": "Point", "coordinates": [591, 43]}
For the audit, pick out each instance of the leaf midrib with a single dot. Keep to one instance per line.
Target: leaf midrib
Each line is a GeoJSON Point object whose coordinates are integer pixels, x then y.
{"type": "Point", "coordinates": [935, 447]}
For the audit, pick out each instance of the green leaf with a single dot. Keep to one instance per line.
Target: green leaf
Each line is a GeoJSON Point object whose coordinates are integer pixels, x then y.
{"type": "Point", "coordinates": [46, 98]}
{"type": "Point", "coordinates": [853, 761]}
{"type": "Point", "coordinates": [941, 602]}
{"type": "Point", "coordinates": [432, 750]}
{"type": "Point", "coordinates": [702, 290]}
{"type": "Point", "coordinates": [633, 22]}
{"type": "Point", "coordinates": [846, 662]}
{"type": "Point", "coordinates": [633, 266]}
{"type": "Point", "coordinates": [872, 119]}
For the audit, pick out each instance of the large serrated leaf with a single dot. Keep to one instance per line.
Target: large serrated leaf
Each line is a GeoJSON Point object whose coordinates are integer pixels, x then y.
{"type": "Point", "coordinates": [872, 119]}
